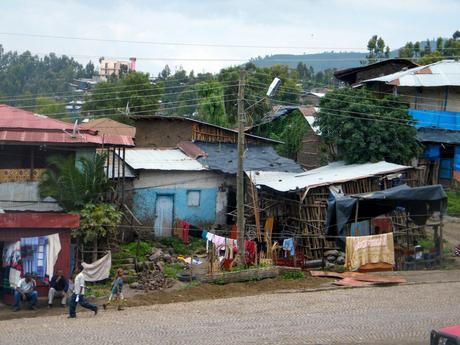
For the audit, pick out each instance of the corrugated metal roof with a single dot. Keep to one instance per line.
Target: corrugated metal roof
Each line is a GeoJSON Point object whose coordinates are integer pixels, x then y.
{"type": "Point", "coordinates": [441, 73]}
{"type": "Point", "coordinates": [438, 135]}
{"type": "Point", "coordinates": [337, 172]}
{"type": "Point", "coordinates": [161, 159]}
{"type": "Point", "coordinates": [18, 125]}
{"type": "Point", "coordinates": [224, 158]}
{"type": "Point", "coordinates": [23, 196]}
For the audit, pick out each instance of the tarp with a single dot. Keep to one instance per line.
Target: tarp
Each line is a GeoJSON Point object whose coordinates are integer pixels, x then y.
{"type": "Point", "coordinates": [420, 203]}
{"type": "Point", "coordinates": [98, 270]}
{"type": "Point", "coordinates": [432, 152]}
{"type": "Point", "coordinates": [436, 118]}
{"type": "Point", "coordinates": [438, 135]}
{"type": "Point", "coordinates": [457, 158]}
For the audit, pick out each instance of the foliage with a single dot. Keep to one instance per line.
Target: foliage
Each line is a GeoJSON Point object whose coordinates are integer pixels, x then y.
{"type": "Point", "coordinates": [211, 102]}
{"type": "Point", "coordinates": [453, 203]}
{"type": "Point", "coordinates": [424, 53]}
{"type": "Point", "coordinates": [190, 285]}
{"type": "Point", "coordinates": [51, 107]}
{"type": "Point", "coordinates": [171, 270]}
{"type": "Point", "coordinates": [377, 50]}
{"type": "Point", "coordinates": [290, 129]}
{"type": "Point", "coordinates": [133, 93]}
{"type": "Point", "coordinates": [365, 128]}
{"type": "Point", "coordinates": [73, 184]}
{"type": "Point", "coordinates": [294, 275]}
{"type": "Point", "coordinates": [195, 246]}
{"type": "Point", "coordinates": [98, 221]}
{"type": "Point", "coordinates": [98, 290]}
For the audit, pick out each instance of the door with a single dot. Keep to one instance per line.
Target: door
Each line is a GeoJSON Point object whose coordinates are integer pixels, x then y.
{"type": "Point", "coordinates": [164, 208]}
{"type": "Point", "coordinates": [445, 169]}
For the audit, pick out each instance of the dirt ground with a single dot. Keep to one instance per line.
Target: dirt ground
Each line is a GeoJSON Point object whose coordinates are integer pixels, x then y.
{"type": "Point", "coordinates": [181, 293]}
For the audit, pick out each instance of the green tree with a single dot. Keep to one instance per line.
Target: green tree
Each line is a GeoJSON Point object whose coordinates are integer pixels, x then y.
{"type": "Point", "coordinates": [211, 102]}
{"type": "Point", "coordinates": [365, 128]}
{"type": "Point", "coordinates": [51, 107]}
{"type": "Point", "coordinates": [377, 50]}
{"type": "Point", "coordinates": [139, 94]}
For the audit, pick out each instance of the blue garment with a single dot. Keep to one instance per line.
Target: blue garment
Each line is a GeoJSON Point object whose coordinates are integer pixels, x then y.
{"type": "Point", "coordinates": [288, 245]}
{"type": "Point", "coordinates": [31, 297]}
{"type": "Point", "coordinates": [360, 228]}
{"type": "Point", "coordinates": [117, 286]}
{"type": "Point", "coordinates": [204, 234]}
{"type": "Point", "coordinates": [83, 302]}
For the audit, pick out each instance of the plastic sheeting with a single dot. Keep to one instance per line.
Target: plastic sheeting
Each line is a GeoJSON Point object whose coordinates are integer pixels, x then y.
{"type": "Point", "coordinates": [419, 202]}
{"type": "Point", "coordinates": [436, 119]}
{"type": "Point", "coordinates": [457, 158]}
{"type": "Point", "coordinates": [432, 152]}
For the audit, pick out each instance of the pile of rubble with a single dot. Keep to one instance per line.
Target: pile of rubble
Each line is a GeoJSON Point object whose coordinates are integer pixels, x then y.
{"type": "Point", "coordinates": [151, 272]}
{"type": "Point", "coordinates": [333, 258]}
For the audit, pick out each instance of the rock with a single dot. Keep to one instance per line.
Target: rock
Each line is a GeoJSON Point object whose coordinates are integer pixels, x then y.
{"type": "Point", "coordinates": [134, 285]}
{"type": "Point", "coordinates": [160, 266]}
{"type": "Point", "coordinates": [171, 251]}
{"type": "Point", "coordinates": [329, 266]}
{"type": "Point", "coordinates": [331, 258]}
{"type": "Point", "coordinates": [167, 258]}
{"type": "Point", "coordinates": [332, 252]}
{"type": "Point", "coordinates": [340, 260]}
{"type": "Point", "coordinates": [156, 255]}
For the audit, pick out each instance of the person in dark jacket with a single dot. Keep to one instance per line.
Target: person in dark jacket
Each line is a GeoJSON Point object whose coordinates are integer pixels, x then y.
{"type": "Point", "coordinates": [59, 286]}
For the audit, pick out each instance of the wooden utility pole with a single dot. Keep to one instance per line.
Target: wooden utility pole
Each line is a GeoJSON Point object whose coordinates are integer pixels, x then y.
{"type": "Point", "coordinates": [240, 172]}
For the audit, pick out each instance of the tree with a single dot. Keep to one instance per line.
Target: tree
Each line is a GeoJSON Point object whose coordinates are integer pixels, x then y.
{"type": "Point", "coordinates": [82, 187]}
{"type": "Point", "coordinates": [89, 70]}
{"type": "Point", "coordinates": [211, 102]}
{"type": "Point", "coordinates": [365, 128]}
{"type": "Point", "coordinates": [139, 94]}
{"type": "Point", "coordinates": [377, 50]}
{"type": "Point", "coordinates": [51, 107]}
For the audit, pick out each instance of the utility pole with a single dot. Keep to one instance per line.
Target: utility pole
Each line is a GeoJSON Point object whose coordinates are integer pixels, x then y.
{"type": "Point", "coordinates": [240, 172]}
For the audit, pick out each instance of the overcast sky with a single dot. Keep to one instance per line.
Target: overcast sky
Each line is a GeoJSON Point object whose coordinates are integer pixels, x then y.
{"type": "Point", "coordinates": [333, 24]}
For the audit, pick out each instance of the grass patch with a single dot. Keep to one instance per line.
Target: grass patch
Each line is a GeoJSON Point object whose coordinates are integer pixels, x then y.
{"type": "Point", "coordinates": [294, 275]}
{"type": "Point", "coordinates": [171, 270]}
{"type": "Point", "coordinates": [133, 250]}
{"type": "Point", "coordinates": [99, 290]}
{"type": "Point", "coordinates": [193, 284]}
{"type": "Point", "coordinates": [195, 246]}
{"type": "Point", "coordinates": [453, 203]}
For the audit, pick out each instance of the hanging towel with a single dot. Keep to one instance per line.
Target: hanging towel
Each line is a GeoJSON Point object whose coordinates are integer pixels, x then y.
{"type": "Point", "coordinates": [14, 277]}
{"type": "Point", "coordinates": [98, 270]}
{"type": "Point", "coordinates": [288, 246]}
{"type": "Point", "coordinates": [52, 249]}
{"type": "Point", "coordinates": [362, 250]}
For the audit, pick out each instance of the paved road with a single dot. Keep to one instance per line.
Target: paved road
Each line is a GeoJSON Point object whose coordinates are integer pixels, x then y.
{"type": "Point", "coordinates": [385, 315]}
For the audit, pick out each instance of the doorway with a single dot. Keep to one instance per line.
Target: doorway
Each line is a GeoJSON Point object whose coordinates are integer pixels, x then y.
{"type": "Point", "coordinates": [164, 215]}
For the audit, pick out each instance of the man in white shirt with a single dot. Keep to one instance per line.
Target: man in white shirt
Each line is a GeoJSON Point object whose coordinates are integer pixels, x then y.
{"type": "Point", "coordinates": [78, 296]}
{"type": "Point", "coordinates": [25, 291]}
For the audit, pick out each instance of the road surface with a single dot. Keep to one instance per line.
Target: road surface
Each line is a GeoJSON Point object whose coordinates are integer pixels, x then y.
{"type": "Point", "coordinates": [379, 315]}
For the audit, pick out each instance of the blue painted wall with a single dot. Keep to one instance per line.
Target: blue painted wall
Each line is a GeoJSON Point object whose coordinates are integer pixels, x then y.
{"type": "Point", "coordinates": [144, 201]}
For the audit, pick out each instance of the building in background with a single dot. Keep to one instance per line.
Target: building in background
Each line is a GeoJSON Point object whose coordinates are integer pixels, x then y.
{"type": "Point", "coordinates": [109, 67]}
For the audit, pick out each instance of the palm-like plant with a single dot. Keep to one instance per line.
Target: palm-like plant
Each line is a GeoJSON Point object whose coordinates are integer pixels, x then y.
{"type": "Point", "coordinates": [75, 185]}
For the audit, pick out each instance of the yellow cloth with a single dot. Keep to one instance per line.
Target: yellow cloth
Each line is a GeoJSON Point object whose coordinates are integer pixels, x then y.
{"type": "Point", "coordinates": [362, 250]}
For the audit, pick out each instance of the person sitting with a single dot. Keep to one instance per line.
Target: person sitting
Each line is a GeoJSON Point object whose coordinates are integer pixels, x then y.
{"type": "Point", "coordinates": [59, 286]}
{"type": "Point", "coordinates": [25, 290]}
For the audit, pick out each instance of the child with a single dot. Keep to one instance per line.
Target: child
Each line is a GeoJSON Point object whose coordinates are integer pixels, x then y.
{"type": "Point", "coordinates": [117, 287]}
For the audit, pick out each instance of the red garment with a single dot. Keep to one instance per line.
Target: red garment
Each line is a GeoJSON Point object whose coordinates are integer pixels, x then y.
{"type": "Point", "coordinates": [234, 232]}
{"type": "Point", "coordinates": [185, 229]}
{"type": "Point", "coordinates": [250, 248]}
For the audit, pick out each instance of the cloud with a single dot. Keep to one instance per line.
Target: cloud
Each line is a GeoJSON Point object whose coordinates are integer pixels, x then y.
{"type": "Point", "coordinates": [333, 24]}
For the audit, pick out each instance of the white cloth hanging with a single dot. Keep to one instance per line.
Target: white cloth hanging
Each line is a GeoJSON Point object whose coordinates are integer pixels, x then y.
{"type": "Point", "coordinates": [98, 270]}
{"type": "Point", "coordinates": [52, 249]}
{"type": "Point", "coordinates": [14, 277]}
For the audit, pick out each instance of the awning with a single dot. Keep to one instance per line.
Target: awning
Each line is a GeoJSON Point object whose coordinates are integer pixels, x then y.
{"type": "Point", "coordinates": [420, 203]}
{"type": "Point", "coordinates": [36, 220]}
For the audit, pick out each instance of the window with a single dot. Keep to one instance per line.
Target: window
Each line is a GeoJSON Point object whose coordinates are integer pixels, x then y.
{"type": "Point", "coordinates": [193, 198]}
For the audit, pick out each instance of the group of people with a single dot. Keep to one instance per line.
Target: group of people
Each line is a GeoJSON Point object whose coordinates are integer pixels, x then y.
{"type": "Point", "coordinates": [67, 291]}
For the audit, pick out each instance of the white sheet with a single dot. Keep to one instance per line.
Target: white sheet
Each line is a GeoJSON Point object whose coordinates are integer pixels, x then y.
{"type": "Point", "coordinates": [52, 248]}
{"type": "Point", "coordinates": [98, 270]}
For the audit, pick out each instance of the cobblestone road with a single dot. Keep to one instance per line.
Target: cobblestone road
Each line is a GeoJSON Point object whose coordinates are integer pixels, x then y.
{"type": "Point", "coordinates": [385, 315]}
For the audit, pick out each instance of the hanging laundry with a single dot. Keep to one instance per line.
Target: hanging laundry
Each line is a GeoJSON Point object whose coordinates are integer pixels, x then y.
{"type": "Point", "coordinates": [382, 225]}
{"type": "Point", "coordinates": [288, 246]}
{"type": "Point", "coordinates": [218, 241]}
{"type": "Point", "coordinates": [14, 277]}
{"type": "Point", "coordinates": [362, 250]}
{"type": "Point", "coordinates": [11, 254]}
{"type": "Point", "coordinates": [250, 248]}
{"type": "Point", "coordinates": [185, 230]}
{"type": "Point", "coordinates": [98, 270]}
{"type": "Point", "coordinates": [234, 232]}
{"type": "Point", "coordinates": [204, 235]}
{"type": "Point", "coordinates": [360, 228]}
{"type": "Point", "coordinates": [53, 248]}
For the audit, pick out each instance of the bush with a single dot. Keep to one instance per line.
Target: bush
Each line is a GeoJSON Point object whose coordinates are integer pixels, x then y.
{"type": "Point", "coordinates": [171, 270]}
{"type": "Point", "coordinates": [179, 247]}
{"type": "Point", "coordinates": [453, 203]}
{"type": "Point", "coordinates": [293, 275]}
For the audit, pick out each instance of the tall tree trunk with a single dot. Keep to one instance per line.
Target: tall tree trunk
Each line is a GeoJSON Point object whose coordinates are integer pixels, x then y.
{"type": "Point", "coordinates": [94, 250]}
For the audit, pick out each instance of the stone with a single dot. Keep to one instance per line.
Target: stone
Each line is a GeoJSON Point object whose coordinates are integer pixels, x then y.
{"type": "Point", "coordinates": [160, 266]}
{"type": "Point", "coordinates": [156, 255]}
{"type": "Point", "coordinates": [331, 252]}
{"type": "Point", "coordinates": [331, 258]}
{"type": "Point", "coordinates": [134, 285]}
{"type": "Point", "coordinates": [329, 266]}
{"type": "Point", "coordinates": [340, 260]}
{"type": "Point", "coordinates": [167, 258]}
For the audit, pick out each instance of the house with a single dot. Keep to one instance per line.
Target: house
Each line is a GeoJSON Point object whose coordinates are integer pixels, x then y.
{"type": "Point", "coordinates": [308, 151]}
{"type": "Point", "coordinates": [433, 94]}
{"type": "Point", "coordinates": [355, 75]}
{"type": "Point", "coordinates": [27, 141]}
{"type": "Point", "coordinates": [105, 125]}
{"type": "Point", "coordinates": [312, 97]}
{"type": "Point", "coordinates": [302, 214]}
{"type": "Point", "coordinates": [109, 67]}
{"type": "Point", "coordinates": [185, 170]}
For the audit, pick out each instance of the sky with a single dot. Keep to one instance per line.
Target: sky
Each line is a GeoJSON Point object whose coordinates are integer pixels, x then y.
{"type": "Point", "coordinates": [264, 27]}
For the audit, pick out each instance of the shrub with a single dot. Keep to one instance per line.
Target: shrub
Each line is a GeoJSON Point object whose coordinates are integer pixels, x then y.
{"type": "Point", "coordinates": [293, 275]}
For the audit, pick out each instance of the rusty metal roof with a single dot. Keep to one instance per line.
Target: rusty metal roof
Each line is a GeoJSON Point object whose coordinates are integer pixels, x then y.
{"type": "Point", "coordinates": [18, 125]}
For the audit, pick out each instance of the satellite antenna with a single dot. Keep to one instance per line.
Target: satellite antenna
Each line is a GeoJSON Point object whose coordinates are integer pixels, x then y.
{"type": "Point", "coordinates": [273, 87]}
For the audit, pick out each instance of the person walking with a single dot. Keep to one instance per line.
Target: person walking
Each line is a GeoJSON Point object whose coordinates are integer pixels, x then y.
{"type": "Point", "coordinates": [117, 291]}
{"type": "Point", "coordinates": [78, 296]}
